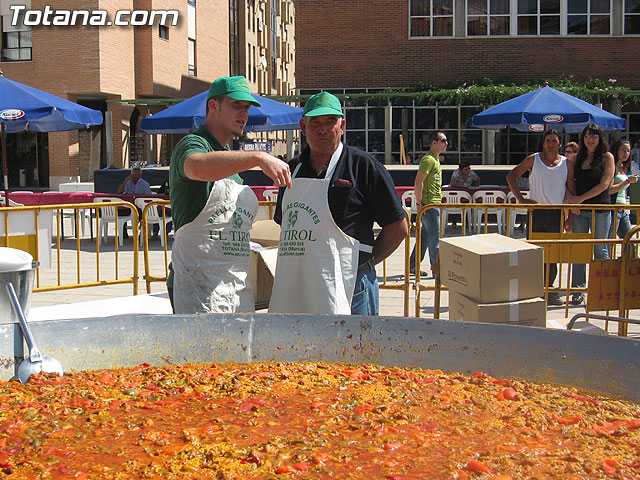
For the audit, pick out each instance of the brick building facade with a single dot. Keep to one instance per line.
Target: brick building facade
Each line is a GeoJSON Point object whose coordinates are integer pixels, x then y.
{"type": "Point", "coordinates": [102, 67]}
{"type": "Point", "coordinates": [368, 45]}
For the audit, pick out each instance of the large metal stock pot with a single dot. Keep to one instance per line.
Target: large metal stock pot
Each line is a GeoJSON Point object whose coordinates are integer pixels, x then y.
{"type": "Point", "coordinates": [606, 364]}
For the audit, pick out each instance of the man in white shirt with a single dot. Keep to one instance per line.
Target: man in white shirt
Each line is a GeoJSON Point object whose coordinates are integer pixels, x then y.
{"type": "Point", "coordinates": [134, 184]}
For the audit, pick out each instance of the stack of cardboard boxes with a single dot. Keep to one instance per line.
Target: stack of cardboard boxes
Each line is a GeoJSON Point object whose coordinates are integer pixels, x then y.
{"type": "Point", "coordinates": [265, 236]}
{"type": "Point", "coordinates": [493, 278]}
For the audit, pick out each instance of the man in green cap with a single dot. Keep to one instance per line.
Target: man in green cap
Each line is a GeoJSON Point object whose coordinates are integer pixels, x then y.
{"type": "Point", "coordinates": [211, 211]}
{"type": "Point", "coordinates": [327, 249]}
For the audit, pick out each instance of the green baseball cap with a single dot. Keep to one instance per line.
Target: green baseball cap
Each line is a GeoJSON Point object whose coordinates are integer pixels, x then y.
{"type": "Point", "coordinates": [236, 88]}
{"type": "Point", "coordinates": [322, 103]}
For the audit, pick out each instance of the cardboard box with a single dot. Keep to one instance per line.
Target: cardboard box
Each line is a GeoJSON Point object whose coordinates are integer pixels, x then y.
{"type": "Point", "coordinates": [492, 268]}
{"type": "Point", "coordinates": [531, 312]}
{"type": "Point", "coordinates": [266, 233]}
{"type": "Point", "coordinates": [262, 270]}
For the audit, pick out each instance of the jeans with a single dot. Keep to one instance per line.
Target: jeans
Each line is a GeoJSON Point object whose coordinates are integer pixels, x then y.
{"type": "Point", "coordinates": [623, 223]}
{"type": "Point", "coordinates": [429, 238]}
{"type": "Point", "coordinates": [548, 221]}
{"type": "Point", "coordinates": [366, 295]}
{"type": "Point", "coordinates": [582, 224]}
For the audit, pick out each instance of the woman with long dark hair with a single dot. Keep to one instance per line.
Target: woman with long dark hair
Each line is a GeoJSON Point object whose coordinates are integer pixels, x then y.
{"type": "Point", "coordinates": [621, 151]}
{"type": "Point", "coordinates": [588, 182]}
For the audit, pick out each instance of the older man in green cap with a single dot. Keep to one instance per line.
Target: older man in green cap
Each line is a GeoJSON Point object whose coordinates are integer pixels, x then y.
{"type": "Point", "coordinates": [212, 212]}
{"type": "Point", "coordinates": [327, 248]}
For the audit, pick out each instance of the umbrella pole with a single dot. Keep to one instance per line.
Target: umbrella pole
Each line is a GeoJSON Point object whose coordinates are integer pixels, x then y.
{"type": "Point", "coordinates": [5, 168]}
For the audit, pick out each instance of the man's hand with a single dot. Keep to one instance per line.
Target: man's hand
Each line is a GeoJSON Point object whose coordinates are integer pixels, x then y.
{"type": "Point", "coordinates": [276, 170]}
{"type": "Point", "coordinates": [527, 200]}
{"type": "Point", "coordinates": [124, 184]}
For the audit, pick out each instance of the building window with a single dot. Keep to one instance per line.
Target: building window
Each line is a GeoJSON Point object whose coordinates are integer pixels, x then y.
{"type": "Point", "coordinates": [538, 17]}
{"type": "Point", "coordinates": [163, 32]}
{"type": "Point", "coordinates": [254, 63]}
{"type": "Point", "coordinates": [431, 18]}
{"type": "Point", "coordinates": [365, 129]}
{"type": "Point", "coordinates": [632, 17]}
{"type": "Point", "coordinates": [192, 58]}
{"type": "Point", "coordinates": [591, 17]}
{"type": "Point", "coordinates": [488, 17]}
{"type": "Point", "coordinates": [234, 38]}
{"type": "Point", "coordinates": [16, 41]}
{"type": "Point", "coordinates": [191, 38]}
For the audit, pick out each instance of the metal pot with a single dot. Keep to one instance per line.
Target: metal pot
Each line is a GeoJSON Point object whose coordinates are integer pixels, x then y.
{"type": "Point", "coordinates": [22, 281]}
{"type": "Point", "coordinates": [606, 364]}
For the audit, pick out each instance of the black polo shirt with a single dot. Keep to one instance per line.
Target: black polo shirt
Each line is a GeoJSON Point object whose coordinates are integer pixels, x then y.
{"type": "Point", "coordinates": [361, 192]}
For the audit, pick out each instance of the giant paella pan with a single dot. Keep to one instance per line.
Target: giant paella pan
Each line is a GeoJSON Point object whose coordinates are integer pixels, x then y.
{"type": "Point", "coordinates": [318, 397]}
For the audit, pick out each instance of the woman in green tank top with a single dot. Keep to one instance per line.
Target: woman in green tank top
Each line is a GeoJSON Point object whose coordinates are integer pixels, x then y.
{"type": "Point", "coordinates": [620, 222]}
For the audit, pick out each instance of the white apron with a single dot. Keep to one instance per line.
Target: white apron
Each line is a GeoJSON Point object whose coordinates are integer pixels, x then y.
{"type": "Point", "coordinates": [317, 262]}
{"type": "Point", "coordinates": [210, 255]}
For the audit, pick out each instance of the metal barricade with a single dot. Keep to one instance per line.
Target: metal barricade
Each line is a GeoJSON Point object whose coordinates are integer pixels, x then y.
{"type": "Point", "coordinates": [69, 263]}
{"type": "Point", "coordinates": [405, 284]}
{"type": "Point", "coordinates": [562, 248]}
{"type": "Point", "coordinates": [154, 207]}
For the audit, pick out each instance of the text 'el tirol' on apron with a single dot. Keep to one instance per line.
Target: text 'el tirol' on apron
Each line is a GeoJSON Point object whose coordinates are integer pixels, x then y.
{"type": "Point", "coordinates": [317, 262]}
{"type": "Point", "coordinates": [211, 254]}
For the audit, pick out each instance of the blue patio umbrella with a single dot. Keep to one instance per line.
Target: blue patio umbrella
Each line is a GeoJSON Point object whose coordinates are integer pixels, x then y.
{"type": "Point", "coordinates": [188, 115]}
{"type": "Point", "coordinates": [545, 108]}
{"type": "Point", "coordinates": [26, 108]}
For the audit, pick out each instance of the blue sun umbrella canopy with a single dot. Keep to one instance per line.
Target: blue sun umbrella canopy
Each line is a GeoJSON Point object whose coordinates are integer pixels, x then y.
{"type": "Point", "coordinates": [27, 108]}
{"type": "Point", "coordinates": [188, 115]}
{"type": "Point", "coordinates": [545, 108]}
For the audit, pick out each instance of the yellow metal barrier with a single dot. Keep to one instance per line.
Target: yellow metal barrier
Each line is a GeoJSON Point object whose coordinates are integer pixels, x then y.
{"type": "Point", "coordinates": [37, 245]}
{"type": "Point", "coordinates": [562, 248]}
{"type": "Point", "coordinates": [559, 248]}
{"type": "Point", "coordinates": [148, 277]}
{"type": "Point", "coordinates": [404, 285]}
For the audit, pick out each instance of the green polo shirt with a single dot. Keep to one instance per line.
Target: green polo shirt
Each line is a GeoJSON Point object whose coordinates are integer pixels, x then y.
{"type": "Point", "coordinates": [188, 197]}
{"type": "Point", "coordinates": [432, 185]}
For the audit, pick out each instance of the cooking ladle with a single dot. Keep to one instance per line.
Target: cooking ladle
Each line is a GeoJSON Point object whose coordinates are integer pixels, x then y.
{"type": "Point", "coordinates": [36, 362]}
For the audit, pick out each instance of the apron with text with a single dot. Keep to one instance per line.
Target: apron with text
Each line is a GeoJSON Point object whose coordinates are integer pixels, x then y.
{"type": "Point", "coordinates": [211, 254]}
{"type": "Point", "coordinates": [317, 262]}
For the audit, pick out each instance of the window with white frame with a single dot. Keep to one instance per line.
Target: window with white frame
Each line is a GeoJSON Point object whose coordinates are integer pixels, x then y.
{"type": "Point", "coordinates": [431, 18]}
{"type": "Point", "coordinates": [16, 40]}
{"type": "Point", "coordinates": [488, 17]}
{"type": "Point", "coordinates": [191, 37]}
{"type": "Point", "coordinates": [632, 17]}
{"type": "Point", "coordinates": [588, 17]}
{"type": "Point", "coordinates": [538, 17]}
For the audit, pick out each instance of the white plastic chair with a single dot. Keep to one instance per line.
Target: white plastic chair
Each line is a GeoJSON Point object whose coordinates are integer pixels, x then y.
{"type": "Point", "coordinates": [457, 196]}
{"type": "Point", "coordinates": [271, 195]}
{"type": "Point", "coordinates": [413, 206]}
{"type": "Point", "coordinates": [154, 217]}
{"type": "Point", "coordinates": [511, 199]}
{"type": "Point", "coordinates": [83, 214]}
{"type": "Point", "coordinates": [490, 196]}
{"type": "Point", "coordinates": [108, 215]}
